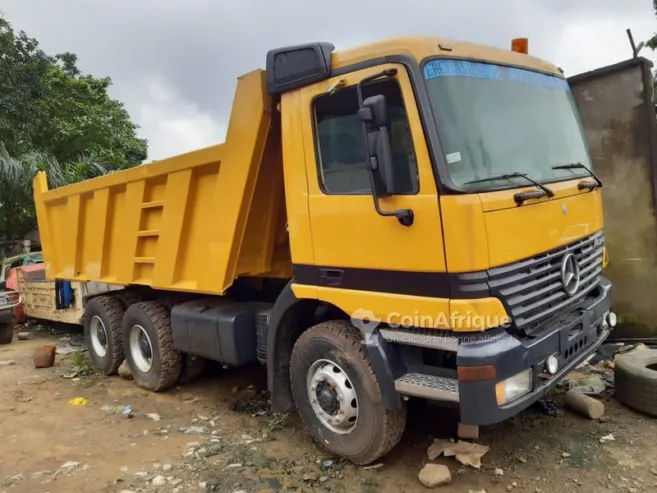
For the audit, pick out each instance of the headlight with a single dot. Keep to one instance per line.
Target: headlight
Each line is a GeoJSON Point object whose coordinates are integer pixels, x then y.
{"type": "Point", "coordinates": [514, 387]}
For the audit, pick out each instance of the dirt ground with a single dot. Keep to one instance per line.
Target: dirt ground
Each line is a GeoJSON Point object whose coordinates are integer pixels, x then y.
{"type": "Point", "coordinates": [215, 434]}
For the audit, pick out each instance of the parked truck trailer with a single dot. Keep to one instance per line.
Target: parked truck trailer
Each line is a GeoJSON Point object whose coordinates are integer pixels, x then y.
{"type": "Point", "coordinates": [414, 218]}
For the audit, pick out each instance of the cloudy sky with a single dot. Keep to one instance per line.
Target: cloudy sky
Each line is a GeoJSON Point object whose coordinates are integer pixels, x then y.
{"type": "Point", "coordinates": [174, 62]}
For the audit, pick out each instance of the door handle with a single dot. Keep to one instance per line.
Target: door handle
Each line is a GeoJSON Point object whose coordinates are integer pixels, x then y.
{"type": "Point", "coordinates": [331, 277]}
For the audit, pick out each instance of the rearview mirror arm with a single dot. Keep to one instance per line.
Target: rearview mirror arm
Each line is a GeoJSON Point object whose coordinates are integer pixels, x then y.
{"type": "Point", "coordinates": [404, 216]}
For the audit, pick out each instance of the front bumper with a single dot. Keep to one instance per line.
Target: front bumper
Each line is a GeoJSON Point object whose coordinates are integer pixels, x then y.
{"type": "Point", "coordinates": [9, 303]}
{"type": "Point", "coordinates": [572, 340]}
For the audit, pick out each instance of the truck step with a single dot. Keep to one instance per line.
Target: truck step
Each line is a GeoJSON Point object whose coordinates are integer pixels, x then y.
{"type": "Point", "coordinates": [429, 387]}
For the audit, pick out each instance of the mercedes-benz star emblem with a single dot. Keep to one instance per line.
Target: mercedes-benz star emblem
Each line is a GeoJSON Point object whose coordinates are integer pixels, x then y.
{"type": "Point", "coordinates": [570, 274]}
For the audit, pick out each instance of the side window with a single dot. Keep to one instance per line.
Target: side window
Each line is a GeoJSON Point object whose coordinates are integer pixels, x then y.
{"type": "Point", "coordinates": [341, 141]}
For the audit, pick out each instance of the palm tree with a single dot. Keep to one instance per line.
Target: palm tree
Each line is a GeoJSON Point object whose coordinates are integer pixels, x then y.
{"type": "Point", "coordinates": [17, 214]}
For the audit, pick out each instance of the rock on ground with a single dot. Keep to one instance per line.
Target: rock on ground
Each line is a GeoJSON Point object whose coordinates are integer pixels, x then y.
{"type": "Point", "coordinates": [159, 481]}
{"type": "Point", "coordinates": [433, 475]}
{"type": "Point", "coordinates": [124, 371]}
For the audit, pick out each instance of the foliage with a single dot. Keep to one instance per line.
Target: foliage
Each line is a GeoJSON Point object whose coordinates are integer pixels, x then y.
{"type": "Point", "coordinates": [652, 42]}
{"type": "Point", "coordinates": [47, 104]}
{"type": "Point", "coordinates": [80, 362]}
{"type": "Point", "coordinates": [57, 119]}
{"type": "Point", "coordinates": [278, 421]}
{"type": "Point", "coordinates": [17, 215]}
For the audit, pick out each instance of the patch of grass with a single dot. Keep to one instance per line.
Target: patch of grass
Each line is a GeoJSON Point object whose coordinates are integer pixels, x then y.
{"type": "Point", "coordinates": [278, 421]}
{"type": "Point", "coordinates": [80, 362]}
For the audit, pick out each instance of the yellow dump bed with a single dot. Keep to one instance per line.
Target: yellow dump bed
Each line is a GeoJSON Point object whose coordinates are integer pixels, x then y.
{"type": "Point", "coordinates": [192, 223]}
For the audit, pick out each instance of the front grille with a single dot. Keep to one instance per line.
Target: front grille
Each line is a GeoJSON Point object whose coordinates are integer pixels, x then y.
{"type": "Point", "coordinates": [532, 290]}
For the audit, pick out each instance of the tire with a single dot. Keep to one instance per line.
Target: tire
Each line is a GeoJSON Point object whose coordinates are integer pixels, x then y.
{"type": "Point", "coordinates": [192, 368]}
{"type": "Point", "coordinates": [102, 332]}
{"type": "Point", "coordinates": [636, 384]}
{"type": "Point", "coordinates": [147, 331]}
{"type": "Point", "coordinates": [128, 298]}
{"type": "Point", "coordinates": [375, 430]}
{"type": "Point", "coordinates": [6, 333]}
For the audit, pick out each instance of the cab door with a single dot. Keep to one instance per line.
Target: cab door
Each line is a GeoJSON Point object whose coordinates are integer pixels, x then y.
{"type": "Point", "coordinates": [355, 248]}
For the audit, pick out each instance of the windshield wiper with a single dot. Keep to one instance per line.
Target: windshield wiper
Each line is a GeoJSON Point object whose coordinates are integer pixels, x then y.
{"type": "Point", "coordinates": [581, 186]}
{"type": "Point", "coordinates": [508, 176]}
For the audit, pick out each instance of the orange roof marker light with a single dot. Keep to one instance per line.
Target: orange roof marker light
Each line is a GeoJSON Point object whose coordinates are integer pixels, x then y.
{"type": "Point", "coordinates": [520, 45]}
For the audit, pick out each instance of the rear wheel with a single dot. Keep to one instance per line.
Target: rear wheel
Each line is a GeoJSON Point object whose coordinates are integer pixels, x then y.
{"type": "Point", "coordinates": [6, 333]}
{"type": "Point", "coordinates": [102, 332]}
{"type": "Point", "coordinates": [338, 396]}
{"type": "Point", "coordinates": [148, 346]}
{"type": "Point", "coordinates": [128, 298]}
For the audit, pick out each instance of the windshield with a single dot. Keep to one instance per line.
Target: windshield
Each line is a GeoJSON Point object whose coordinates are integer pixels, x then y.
{"type": "Point", "coordinates": [494, 119]}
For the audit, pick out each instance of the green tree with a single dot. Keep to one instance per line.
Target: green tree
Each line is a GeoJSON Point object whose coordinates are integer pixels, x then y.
{"type": "Point", "coordinates": [48, 105]}
{"type": "Point", "coordinates": [652, 42]}
{"type": "Point", "coordinates": [57, 119]}
{"type": "Point", "coordinates": [17, 214]}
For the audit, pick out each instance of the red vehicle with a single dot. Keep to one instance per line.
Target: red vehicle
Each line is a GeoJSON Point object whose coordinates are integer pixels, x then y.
{"type": "Point", "coordinates": [11, 309]}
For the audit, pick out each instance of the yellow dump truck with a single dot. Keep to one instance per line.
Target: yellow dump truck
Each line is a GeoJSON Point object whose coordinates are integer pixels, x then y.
{"type": "Point", "coordinates": [413, 218]}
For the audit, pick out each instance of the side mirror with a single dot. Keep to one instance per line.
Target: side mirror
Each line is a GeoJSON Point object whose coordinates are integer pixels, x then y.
{"type": "Point", "coordinates": [373, 112]}
{"type": "Point", "coordinates": [374, 115]}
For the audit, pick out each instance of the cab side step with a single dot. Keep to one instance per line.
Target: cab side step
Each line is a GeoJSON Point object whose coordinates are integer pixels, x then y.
{"type": "Point", "coordinates": [429, 387]}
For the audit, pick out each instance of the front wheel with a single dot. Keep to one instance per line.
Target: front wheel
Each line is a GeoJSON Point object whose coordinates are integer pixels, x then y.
{"type": "Point", "coordinates": [338, 397]}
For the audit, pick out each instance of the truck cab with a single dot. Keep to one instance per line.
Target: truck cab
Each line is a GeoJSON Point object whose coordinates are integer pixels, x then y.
{"type": "Point", "coordinates": [444, 199]}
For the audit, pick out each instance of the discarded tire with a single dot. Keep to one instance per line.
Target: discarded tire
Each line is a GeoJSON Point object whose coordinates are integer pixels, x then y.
{"type": "Point", "coordinates": [635, 378]}
{"type": "Point", "coordinates": [6, 333]}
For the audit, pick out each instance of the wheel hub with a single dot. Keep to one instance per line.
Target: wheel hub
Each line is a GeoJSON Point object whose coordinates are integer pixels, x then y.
{"type": "Point", "coordinates": [332, 396]}
{"type": "Point", "coordinates": [141, 348]}
{"type": "Point", "coordinates": [98, 336]}
{"type": "Point", "coordinates": [145, 346]}
{"type": "Point", "coordinates": [327, 398]}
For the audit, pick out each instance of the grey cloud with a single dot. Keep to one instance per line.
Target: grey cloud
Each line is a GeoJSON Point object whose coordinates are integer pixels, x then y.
{"type": "Point", "coordinates": [200, 46]}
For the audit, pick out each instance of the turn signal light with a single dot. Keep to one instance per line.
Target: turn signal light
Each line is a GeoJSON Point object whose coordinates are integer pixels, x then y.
{"type": "Point", "coordinates": [476, 373]}
{"type": "Point", "coordinates": [520, 45]}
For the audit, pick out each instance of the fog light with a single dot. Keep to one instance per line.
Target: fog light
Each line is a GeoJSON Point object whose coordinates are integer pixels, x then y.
{"type": "Point", "coordinates": [552, 364]}
{"type": "Point", "coordinates": [514, 387]}
{"type": "Point", "coordinates": [612, 319]}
